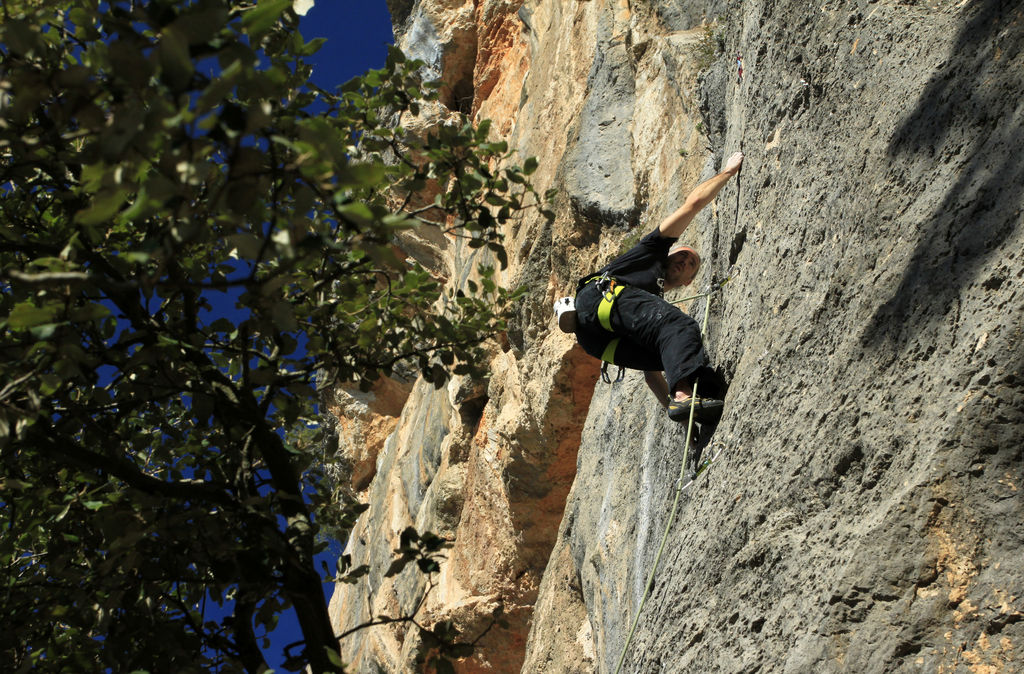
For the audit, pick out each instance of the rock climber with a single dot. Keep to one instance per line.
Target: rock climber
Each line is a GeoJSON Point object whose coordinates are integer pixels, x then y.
{"type": "Point", "coordinates": [620, 316]}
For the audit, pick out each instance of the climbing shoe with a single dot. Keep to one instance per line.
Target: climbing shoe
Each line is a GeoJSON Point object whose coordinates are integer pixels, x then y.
{"type": "Point", "coordinates": [707, 409]}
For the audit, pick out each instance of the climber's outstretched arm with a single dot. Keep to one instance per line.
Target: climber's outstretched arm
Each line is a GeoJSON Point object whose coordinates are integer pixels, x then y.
{"type": "Point", "coordinates": [659, 387]}
{"type": "Point", "coordinates": [702, 195]}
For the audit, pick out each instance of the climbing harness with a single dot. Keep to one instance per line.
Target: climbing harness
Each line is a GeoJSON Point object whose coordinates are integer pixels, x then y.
{"type": "Point", "coordinates": [610, 291]}
{"type": "Point", "coordinates": [604, 309]}
{"type": "Point", "coordinates": [675, 502]}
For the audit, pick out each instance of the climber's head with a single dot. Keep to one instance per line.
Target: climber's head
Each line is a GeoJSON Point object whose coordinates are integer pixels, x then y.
{"type": "Point", "coordinates": [682, 268]}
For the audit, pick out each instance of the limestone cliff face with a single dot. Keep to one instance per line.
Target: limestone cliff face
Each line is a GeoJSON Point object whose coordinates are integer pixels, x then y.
{"type": "Point", "coordinates": [864, 510]}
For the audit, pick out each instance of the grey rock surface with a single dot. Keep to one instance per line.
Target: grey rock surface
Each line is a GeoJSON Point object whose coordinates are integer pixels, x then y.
{"type": "Point", "coordinates": [864, 509]}
{"type": "Point", "coordinates": [864, 512]}
{"type": "Point", "coordinates": [598, 164]}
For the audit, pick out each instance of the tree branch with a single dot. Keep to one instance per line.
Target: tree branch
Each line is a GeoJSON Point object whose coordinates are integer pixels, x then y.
{"type": "Point", "coordinates": [245, 638]}
{"type": "Point", "coordinates": [48, 278]}
{"type": "Point", "coordinates": [126, 470]}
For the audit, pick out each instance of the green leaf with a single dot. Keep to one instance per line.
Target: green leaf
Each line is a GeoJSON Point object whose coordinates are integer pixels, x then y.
{"type": "Point", "coordinates": [137, 256]}
{"type": "Point", "coordinates": [125, 61]}
{"type": "Point", "coordinates": [90, 312]}
{"type": "Point", "coordinates": [266, 13]}
{"type": "Point", "coordinates": [11, 483]}
{"type": "Point", "coordinates": [358, 211]}
{"type": "Point", "coordinates": [173, 54]}
{"type": "Point", "coordinates": [500, 253]}
{"type": "Point", "coordinates": [334, 657]}
{"type": "Point", "coordinates": [200, 24]}
{"type": "Point", "coordinates": [267, 615]}
{"type": "Point", "coordinates": [20, 37]}
{"type": "Point", "coordinates": [49, 383]}
{"type": "Point", "coordinates": [311, 47]}
{"type": "Point", "coordinates": [395, 55]}
{"type": "Point", "coordinates": [360, 175]}
{"type": "Point", "coordinates": [80, 17]}
{"type": "Point", "coordinates": [283, 316]}
{"type": "Point", "coordinates": [46, 331]}
{"type": "Point", "coordinates": [103, 207]}
{"type": "Point", "coordinates": [27, 315]}
{"type": "Point", "coordinates": [368, 324]}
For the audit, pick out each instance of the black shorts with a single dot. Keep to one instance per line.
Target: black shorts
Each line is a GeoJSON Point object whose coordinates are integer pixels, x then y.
{"type": "Point", "coordinates": [653, 334]}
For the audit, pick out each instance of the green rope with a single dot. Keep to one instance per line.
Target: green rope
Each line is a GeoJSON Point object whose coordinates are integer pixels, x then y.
{"type": "Point", "coordinates": [709, 293]}
{"type": "Point", "coordinates": [675, 502]}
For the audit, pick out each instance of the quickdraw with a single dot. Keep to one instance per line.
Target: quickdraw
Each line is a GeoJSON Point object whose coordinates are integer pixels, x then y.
{"type": "Point", "coordinates": [605, 377]}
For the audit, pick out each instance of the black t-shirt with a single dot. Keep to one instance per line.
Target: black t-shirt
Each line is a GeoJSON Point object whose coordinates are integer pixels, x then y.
{"type": "Point", "coordinates": [642, 266]}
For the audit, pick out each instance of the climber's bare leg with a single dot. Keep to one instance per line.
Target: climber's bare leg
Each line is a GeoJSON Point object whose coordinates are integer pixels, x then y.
{"type": "Point", "coordinates": [684, 391]}
{"type": "Point", "coordinates": [659, 387]}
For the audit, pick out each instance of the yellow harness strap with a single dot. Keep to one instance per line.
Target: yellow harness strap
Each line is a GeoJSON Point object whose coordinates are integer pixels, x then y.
{"type": "Point", "coordinates": [609, 351]}
{"type": "Point", "coordinates": [604, 309]}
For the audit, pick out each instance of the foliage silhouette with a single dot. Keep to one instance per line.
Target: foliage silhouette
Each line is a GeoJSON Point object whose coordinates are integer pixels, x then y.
{"type": "Point", "coordinates": [155, 458]}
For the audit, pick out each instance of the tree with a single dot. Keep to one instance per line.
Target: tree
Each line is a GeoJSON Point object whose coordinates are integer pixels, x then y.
{"type": "Point", "coordinates": [156, 458]}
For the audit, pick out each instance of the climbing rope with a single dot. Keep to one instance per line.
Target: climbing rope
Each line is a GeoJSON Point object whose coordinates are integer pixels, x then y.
{"type": "Point", "coordinates": [714, 289]}
{"type": "Point", "coordinates": [680, 487]}
{"type": "Point", "coordinates": [675, 502]}
{"type": "Point", "coordinates": [739, 177]}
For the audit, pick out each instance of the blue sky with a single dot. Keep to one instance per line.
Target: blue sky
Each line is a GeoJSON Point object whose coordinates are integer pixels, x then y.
{"type": "Point", "coordinates": [358, 33]}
